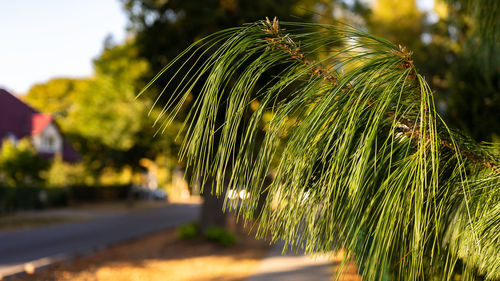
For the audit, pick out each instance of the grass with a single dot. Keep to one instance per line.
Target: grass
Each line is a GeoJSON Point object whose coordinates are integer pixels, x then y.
{"type": "Point", "coordinates": [18, 222]}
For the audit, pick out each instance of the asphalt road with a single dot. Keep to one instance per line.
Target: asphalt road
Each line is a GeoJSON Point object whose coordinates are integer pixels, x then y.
{"type": "Point", "coordinates": [42, 246]}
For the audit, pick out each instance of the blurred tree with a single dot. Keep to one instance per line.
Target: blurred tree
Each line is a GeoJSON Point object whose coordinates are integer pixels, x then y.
{"type": "Point", "coordinates": [473, 96]}
{"type": "Point", "coordinates": [100, 115]}
{"type": "Point", "coordinates": [20, 163]}
{"type": "Point", "coordinates": [453, 49]}
{"type": "Point", "coordinates": [470, 86]}
{"type": "Point", "coordinates": [398, 21]}
{"type": "Point", "coordinates": [106, 111]}
{"type": "Point", "coordinates": [163, 28]}
{"type": "Point", "coordinates": [57, 96]}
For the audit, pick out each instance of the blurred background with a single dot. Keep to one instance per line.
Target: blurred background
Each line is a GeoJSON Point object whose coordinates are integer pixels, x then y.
{"type": "Point", "coordinates": [74, 135]}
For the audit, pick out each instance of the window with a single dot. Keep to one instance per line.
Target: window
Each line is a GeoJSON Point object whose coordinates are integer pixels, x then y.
{"type": "Point", "coordinates": [48, 142]}
{"type": "Point", "coordinates": [11, 137]}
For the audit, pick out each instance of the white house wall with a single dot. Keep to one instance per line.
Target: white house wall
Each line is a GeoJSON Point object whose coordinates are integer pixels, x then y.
{"type": "Point", "coordinates": [49, 141]}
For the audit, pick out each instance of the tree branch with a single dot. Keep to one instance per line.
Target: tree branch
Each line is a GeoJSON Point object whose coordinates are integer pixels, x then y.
{"type": "Point", "coordinates": [287, 45]}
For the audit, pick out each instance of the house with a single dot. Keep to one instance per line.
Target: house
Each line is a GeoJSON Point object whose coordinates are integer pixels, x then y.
{"type": "Point", "coordinates": [18, 120]}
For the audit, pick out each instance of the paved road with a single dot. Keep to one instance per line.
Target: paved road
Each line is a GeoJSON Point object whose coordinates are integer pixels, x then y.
{"type": "Point", "coordinates": [42, 246]}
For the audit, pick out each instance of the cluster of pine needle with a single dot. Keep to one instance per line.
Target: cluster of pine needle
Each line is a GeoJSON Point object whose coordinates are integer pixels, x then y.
{"type": "Point", "coordinates": [359, 157]}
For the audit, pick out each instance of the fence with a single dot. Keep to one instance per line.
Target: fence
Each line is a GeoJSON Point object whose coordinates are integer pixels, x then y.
{"type": "Point", "coordinates": [31, 197]}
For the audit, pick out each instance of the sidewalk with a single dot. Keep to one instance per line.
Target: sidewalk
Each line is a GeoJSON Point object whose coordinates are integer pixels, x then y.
{"type": "Point", "coordinates": [293, 267]}
{"type": "Point", "coordinates": [299, 267]}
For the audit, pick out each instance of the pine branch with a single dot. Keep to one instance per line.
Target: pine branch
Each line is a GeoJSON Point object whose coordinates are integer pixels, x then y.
{"type": "Point", "coordinates": [284, 43]}
{"type": "Point", "coordinates": [361, 162]}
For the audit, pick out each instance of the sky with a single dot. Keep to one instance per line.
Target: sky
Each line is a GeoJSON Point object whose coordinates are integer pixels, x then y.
{"type": "Point", "coordinates": [43, 39]}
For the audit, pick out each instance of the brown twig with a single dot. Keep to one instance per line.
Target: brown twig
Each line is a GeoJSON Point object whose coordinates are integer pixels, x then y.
{"type": "Point", "coordinates": [286, 44]}
{"type": "Point", "coordinates": [412, 130]}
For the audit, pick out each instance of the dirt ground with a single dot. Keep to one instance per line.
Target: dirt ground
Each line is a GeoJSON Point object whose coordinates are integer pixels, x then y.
{"type": "Point", "coordinates": [162, 256]}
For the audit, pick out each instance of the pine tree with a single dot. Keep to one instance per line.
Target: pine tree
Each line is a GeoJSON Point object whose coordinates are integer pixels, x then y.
{"type": "Point", "coordinates": [362, 159]}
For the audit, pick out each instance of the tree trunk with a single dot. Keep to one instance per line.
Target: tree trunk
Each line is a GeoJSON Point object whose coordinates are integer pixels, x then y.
{"type": "Point", "coordinates": [211, 209]}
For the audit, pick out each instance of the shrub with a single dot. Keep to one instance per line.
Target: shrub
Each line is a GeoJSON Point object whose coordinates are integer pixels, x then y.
{"type": "Point", "coordinates": [20, 163]}
{"type": "Point", "coordinates": [188, 231]}
{"type": "Point", "coordinates": [62, 174]}
{"type": "Point", "coordinates": [220, 235]}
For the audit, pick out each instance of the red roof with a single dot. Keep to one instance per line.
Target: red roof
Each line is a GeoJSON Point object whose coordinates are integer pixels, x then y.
{"type": "Point", "coordinates": [39, 122]}
{"type": "Point", "coordinates": [21, 120]}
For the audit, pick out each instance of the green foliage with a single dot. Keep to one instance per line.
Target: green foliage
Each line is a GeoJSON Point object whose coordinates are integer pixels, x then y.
{"type": "Point", "coordinates": [106, 111]}
{"type": "Point", "coordinates": [20, 163]}
{"type": "Point", "coordinates": [365, 162]}
{"type": "Point", "coordinates": [188, 231]}
{"type": "Point", "coordinates": [485, 15]}
{"type": "Point", "coordinates": [469, 86]}
{"type": "Point", "coordinates": [473, 97]}
{"type": "Point", "coordinates": [61, 174]}
{"type": "Point", "coordinates": [57, 96]}
{"type": "Point", "coordinates": [220, 235]}
{"type": "Point", "coordinates": [215, 234]}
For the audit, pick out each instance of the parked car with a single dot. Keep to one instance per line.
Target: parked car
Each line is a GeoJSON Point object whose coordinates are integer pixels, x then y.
{"type": "Point", "coordinates": [149, 194]}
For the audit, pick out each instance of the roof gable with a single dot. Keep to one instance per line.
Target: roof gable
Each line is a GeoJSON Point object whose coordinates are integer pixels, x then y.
{"type": "Point", "coordinates": [15, 116]}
